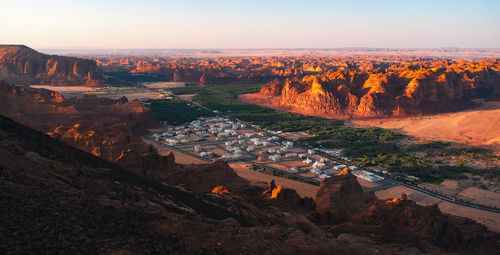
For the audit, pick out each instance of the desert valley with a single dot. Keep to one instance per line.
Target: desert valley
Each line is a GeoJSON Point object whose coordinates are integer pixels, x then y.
{"type": "Point", "coordinates": [224, 127]}
{"type": "Point", "coordinates": [330, 178]}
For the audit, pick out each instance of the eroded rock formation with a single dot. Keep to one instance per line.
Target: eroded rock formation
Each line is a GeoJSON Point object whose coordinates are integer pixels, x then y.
{"type": "Point", "coordinates": [402, 89]}
{"type": "Point", "coordinates": [20, 64]}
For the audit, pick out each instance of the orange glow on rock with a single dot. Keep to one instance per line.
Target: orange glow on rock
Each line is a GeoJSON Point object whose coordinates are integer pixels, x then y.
{"type": "Point", "coordinates": [220, 190]}
{"type": "Point", "coordinates": [346, 171]}
{"type": "Point", "coordinates": [276, 192]}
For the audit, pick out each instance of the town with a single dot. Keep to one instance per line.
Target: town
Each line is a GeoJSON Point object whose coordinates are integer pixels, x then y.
{"type": "Point", "coordinates": [233, 140]}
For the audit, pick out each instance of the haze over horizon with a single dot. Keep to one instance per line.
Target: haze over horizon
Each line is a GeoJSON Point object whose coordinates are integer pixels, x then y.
{"type": "Point", "coordinates": [222, 24]}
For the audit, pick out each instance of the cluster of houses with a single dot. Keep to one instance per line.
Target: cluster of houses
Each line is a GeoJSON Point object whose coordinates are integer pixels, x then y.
{"type": "Point", "coordinates": [239, 142]}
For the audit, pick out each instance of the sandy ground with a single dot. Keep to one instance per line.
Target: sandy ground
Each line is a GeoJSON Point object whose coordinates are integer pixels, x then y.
{"type": "Point", "coordinates": [77, 91]}
{"type": "Point", "coordinates": [260, 179]}
{"type": "Point", "coordinates": [294, 136]}
{"type": "Point", "coordinates": [419, 197]}
{"type": "Point", "coordinates": [187, 97]}
{"type": "Point", "coordinates": [367, 184]}
{"type": "Point", "coordinates": [165, 84]}
{"type": "Point", "coordinates": [450, 184]}
{"type": "Point", "coordinates": [479, 127]}
{"type": "Point", "coordinates": [489, 219]}
{"type": "Point", "coordinates": [480, 196]}
{"type": "Point", "coordinates": [134, 95]}
{"type": "Point", "coordinates": [64, 88]}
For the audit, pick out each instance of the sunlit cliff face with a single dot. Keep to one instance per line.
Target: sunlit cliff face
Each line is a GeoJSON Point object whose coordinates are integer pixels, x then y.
{"type": "Point", "coordinates": [340, 86]}
{"type": "Point", "coordinates": [345, 171]}
{"type": "Point", "coordinates": [220, 190]}
{"type": "Point", "coordinates": [276, 191]}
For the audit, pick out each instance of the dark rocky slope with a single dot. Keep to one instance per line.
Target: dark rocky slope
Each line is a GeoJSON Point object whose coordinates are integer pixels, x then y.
{"type": "Point", "coordinates": [56, 198]}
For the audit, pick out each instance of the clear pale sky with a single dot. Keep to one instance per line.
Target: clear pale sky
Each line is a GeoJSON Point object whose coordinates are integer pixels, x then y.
{"type": "Point", "coordinates": [250, 24]}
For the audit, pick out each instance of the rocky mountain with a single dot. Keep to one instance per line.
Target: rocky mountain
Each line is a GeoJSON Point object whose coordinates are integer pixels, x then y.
{"type": "Point", "coordinates": [121, 197]}
{"type": "Point", "coordinates": [104, 127]}
{"type": "Point", "coordinates": [57, 199]}
{"type": "Point", "coordinates": [20, 64]}
{"type": "Point", "coordinates": [424, 87]}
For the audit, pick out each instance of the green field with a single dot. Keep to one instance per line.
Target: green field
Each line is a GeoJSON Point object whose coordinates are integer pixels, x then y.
{"type": "Point", "coordinates": [124, 78]}
{"type": "Point", "coordinates": [176, 112]}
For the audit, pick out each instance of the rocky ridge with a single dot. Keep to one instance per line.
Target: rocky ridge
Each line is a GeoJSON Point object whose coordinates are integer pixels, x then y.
{"type": "Point", "coordinates": [20, 64]}
{"type": "Point", "coordinates": [403, 89]}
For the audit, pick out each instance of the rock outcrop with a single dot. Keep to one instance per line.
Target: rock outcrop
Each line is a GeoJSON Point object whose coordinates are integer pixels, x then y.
{"type": "Point", "coordinates": [402, 220]}
{"type": "Point", "coordinates": [287, 199]}
{"type": "Point", "coordinates": [342, 205]}
{"type": "Point", "coordinates": [20, 64]}
{"type": "Point", "coordinates": [395, 90]}
{"type": "Point", "coordinates": [341, 189]}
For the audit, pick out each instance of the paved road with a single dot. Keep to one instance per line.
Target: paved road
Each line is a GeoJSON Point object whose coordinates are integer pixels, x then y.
{"type": "Point", "coordinates": [208, 143]}
{"type": "Point", "coordinates": [384, 184]}
{"type": "Point", "coordinates": [177, 149]}
{"type": "Point", "coordinates": [447, 199]}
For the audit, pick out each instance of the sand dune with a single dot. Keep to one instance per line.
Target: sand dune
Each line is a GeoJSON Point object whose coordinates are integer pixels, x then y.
{"type": "Point", "coordinates": [480, 127]}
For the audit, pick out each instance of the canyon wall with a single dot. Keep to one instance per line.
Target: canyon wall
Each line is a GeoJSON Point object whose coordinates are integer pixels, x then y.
{"type": "Point", "coordinates": [401, 89]}
{"type": "Point", "coordinates": [20, 64]}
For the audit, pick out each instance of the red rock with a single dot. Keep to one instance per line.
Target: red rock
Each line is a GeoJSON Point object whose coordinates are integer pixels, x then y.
{"type": "Point", "coordinates": [22, 65]}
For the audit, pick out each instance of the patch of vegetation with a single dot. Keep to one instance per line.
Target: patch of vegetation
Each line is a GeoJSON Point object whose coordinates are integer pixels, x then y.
{"type": "Point", "coordinates": [441, 148]}
{"type": "Point", "coordinates": [124, 78]}
{"type": "Point", "coordinates": [474, 152]}
{"type": "Point", "coordinates": [356, 142]}
{"type": "Point", "coordinates": [436, 182]}
{"type": "Point", "coordinates": [233, 88]}
{"type": "Point", "coordinates": [429, 145]}
{"type": "Point", "coordinates": [176, 112]}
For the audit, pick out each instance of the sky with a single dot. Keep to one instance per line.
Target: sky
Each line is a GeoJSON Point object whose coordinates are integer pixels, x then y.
{"type": "Point", "coordinates": [235, 24]}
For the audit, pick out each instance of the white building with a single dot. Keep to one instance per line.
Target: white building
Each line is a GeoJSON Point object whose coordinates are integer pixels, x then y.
{"type": "Point", "coordinates": [319, 165]}
{"type": "Point", "coordinates": [369, 176]}
{"type": "Point", "coordinates": [307, 161]}
{"type": "Point", "coordinates": [353, 168]}
{"type": "Point", "coordinates": [171, 142]}
{"type": "Point", "coordinates": [339, 167]}
{"type": "Point", "coordinates": [275, 157]}
{"type": "Point", "coordinates": [206, 153]}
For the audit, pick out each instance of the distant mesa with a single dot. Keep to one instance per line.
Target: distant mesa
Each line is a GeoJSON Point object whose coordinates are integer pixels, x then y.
{"type": "Point", "coordinates": [22, 65]}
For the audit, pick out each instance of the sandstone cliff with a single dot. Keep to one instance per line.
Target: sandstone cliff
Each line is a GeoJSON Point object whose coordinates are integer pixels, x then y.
{"type": "Point", "coordinates": [395, 90]}
{"type": "Point", "coordinates": [22, 65]}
